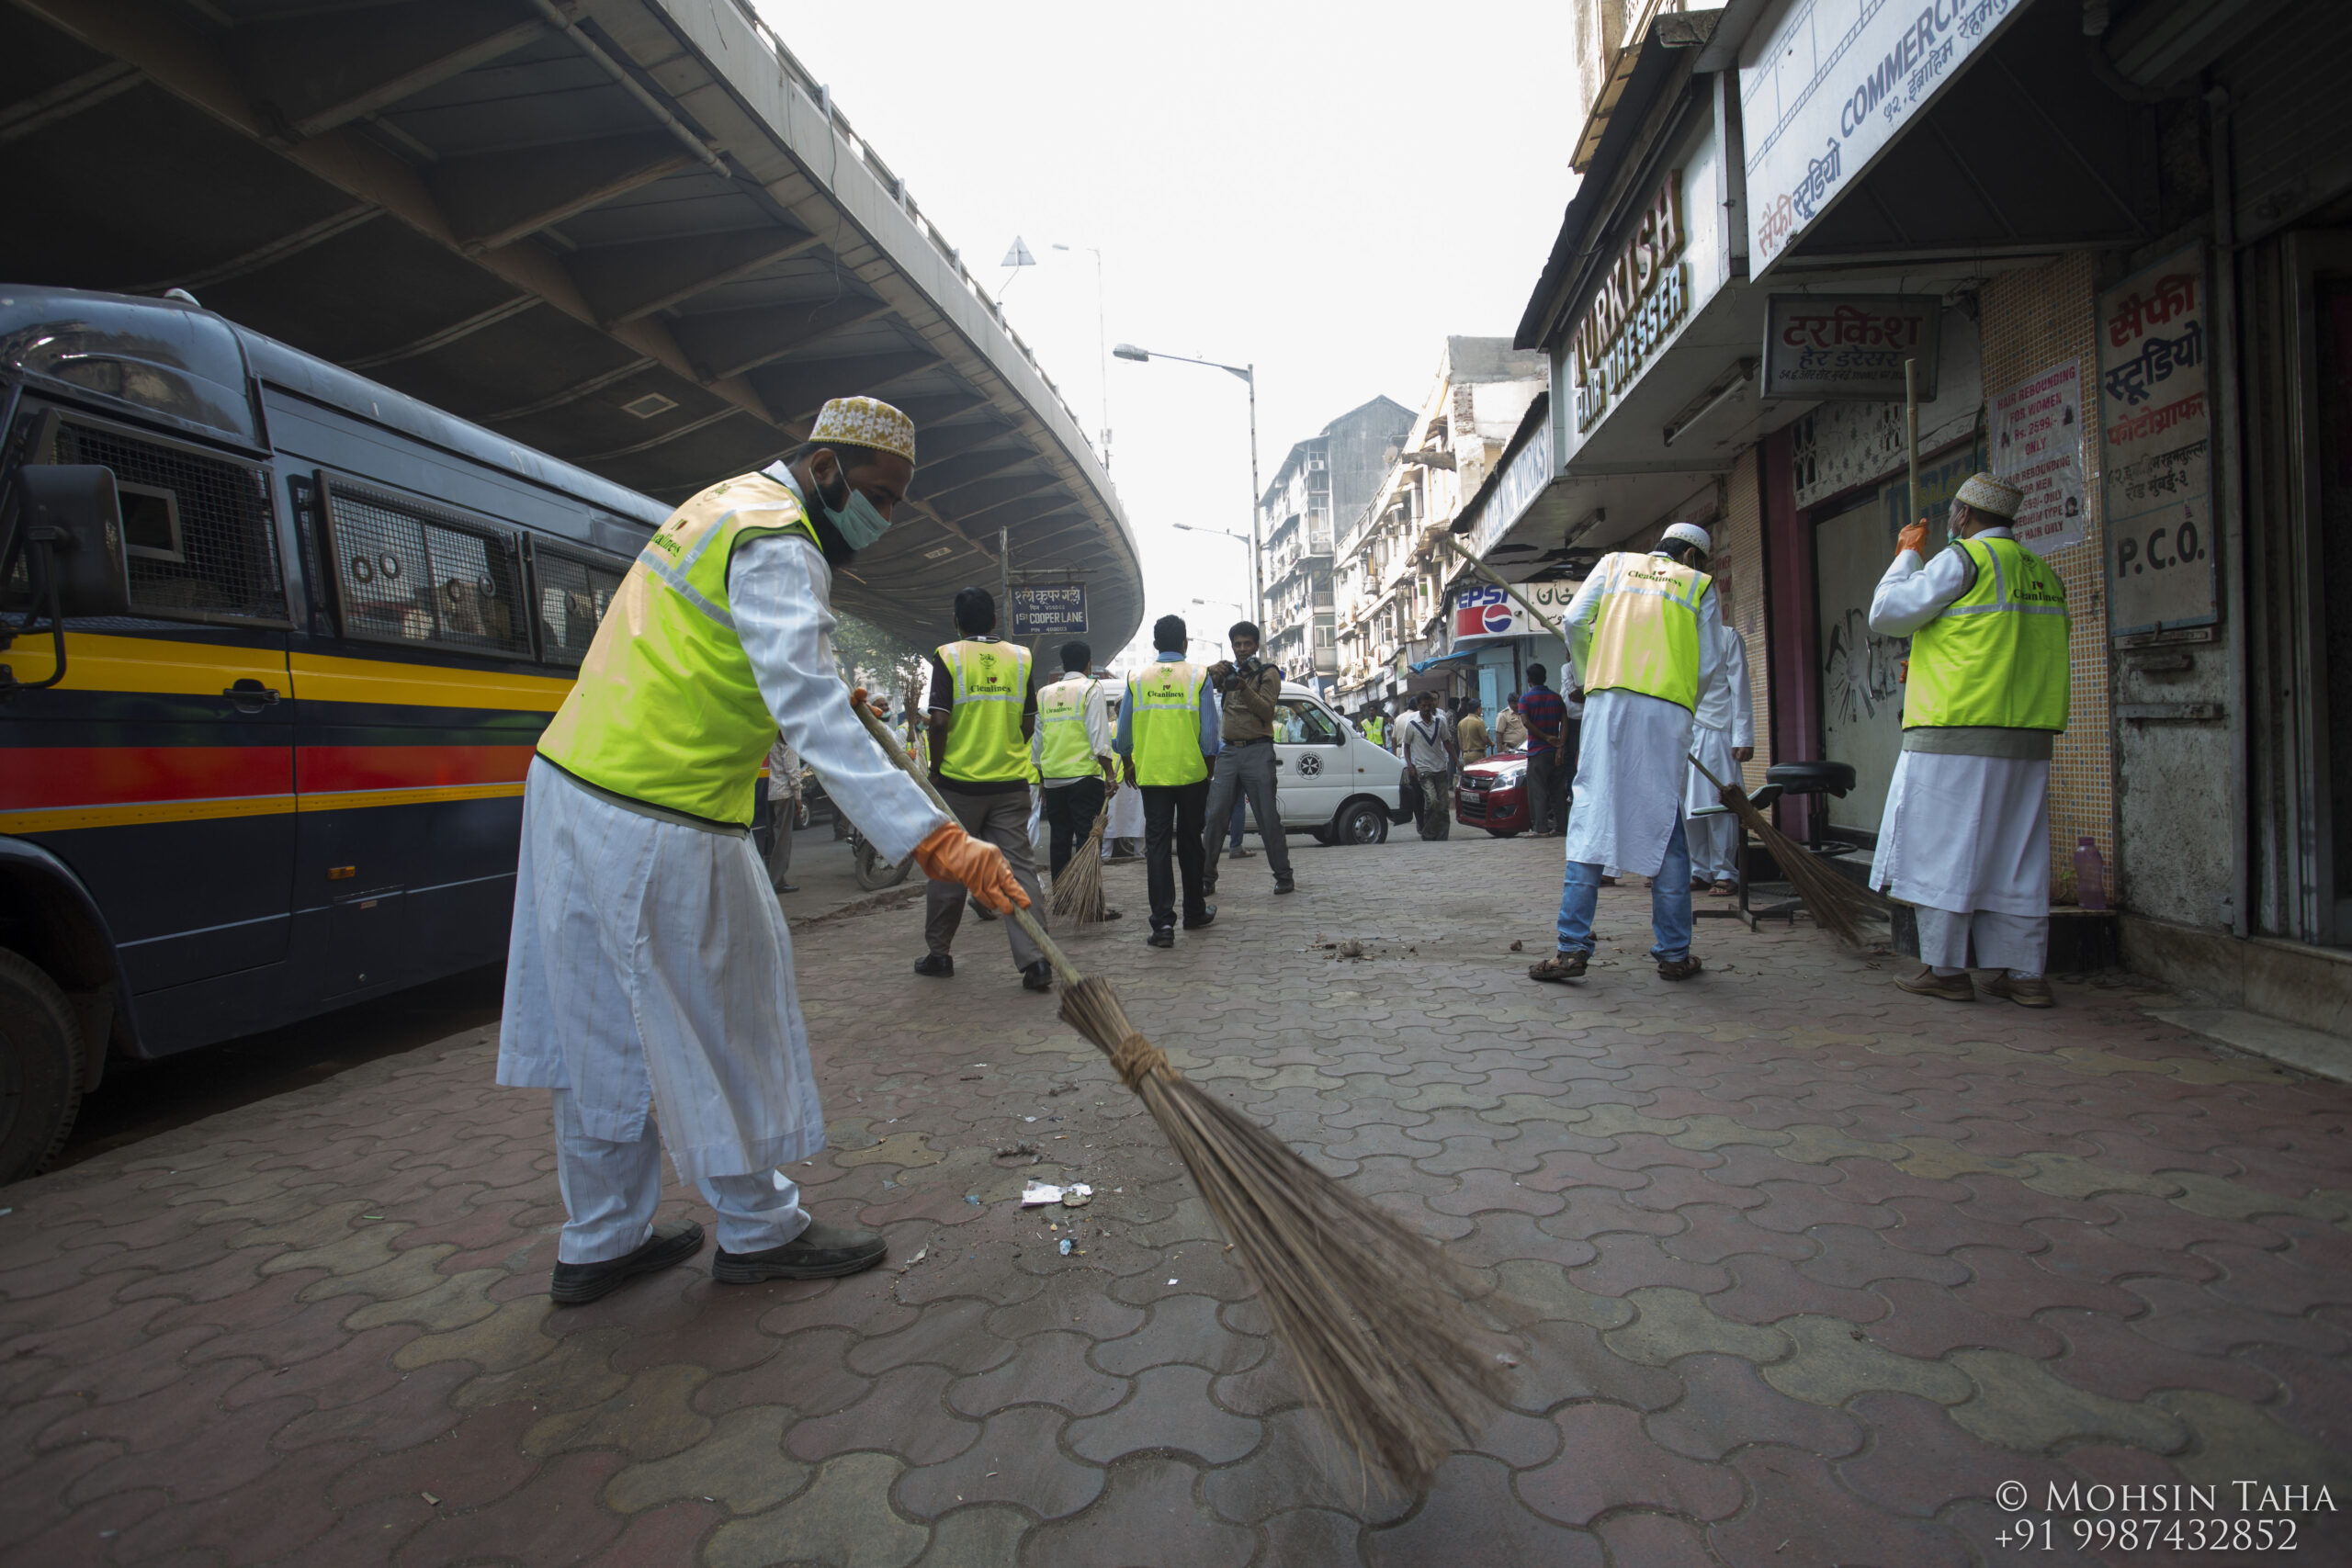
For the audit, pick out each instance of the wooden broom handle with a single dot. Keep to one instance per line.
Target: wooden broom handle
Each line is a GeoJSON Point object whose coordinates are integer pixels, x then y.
{"type": "Point", "coordinates": [1028, 922]}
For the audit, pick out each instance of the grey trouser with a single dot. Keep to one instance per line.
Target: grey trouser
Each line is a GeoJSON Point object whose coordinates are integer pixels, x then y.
{"type": "Point", "coordinates": [999, 820]}
{"type": "Point", "coordinates": [780, 816]}
{"type": "Point", "coordinates": [1248, 770]}
{"type": "Point", "coordinates": [1437, 805]}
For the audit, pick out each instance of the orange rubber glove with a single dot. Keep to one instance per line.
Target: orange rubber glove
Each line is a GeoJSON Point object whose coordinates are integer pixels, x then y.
{"type": "Point", "coordinates": [951, 854]}
{"type": "Point", "coordinates": [1915, 537]}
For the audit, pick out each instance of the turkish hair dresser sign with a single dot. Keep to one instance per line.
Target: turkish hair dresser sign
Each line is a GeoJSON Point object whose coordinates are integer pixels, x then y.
{"type": "Point", "coordinates": [1828, 88]}
{"type": "Point", "coordinates": [2157, 425]}
{"type": "Point", "coordinates": [1849, 346]}
{"type": "Point", "coordinates": [1642, 298]}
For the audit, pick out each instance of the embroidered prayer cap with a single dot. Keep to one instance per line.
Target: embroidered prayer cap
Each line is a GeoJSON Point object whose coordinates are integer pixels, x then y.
{"type": "Point", "coordinates": [1688, 534]}
{"type": "Point", "coordinates": [1995, 498]}
{"type": "Point", "coordinates": [866, 421]}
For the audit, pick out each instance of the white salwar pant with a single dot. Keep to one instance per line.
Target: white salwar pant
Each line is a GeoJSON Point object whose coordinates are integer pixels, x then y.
{"type": "Point", "coordinates": [610, 1191]}
{"type": "Point", "coordinates": [2018, 943]}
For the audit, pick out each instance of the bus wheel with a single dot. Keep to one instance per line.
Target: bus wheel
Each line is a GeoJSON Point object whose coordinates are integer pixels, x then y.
{"type": "Point", "coordinates": [40, 1068]}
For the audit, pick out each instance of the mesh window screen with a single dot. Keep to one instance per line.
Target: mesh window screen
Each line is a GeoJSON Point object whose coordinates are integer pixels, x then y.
{"type": "Point", "coordinates": [573, 594]}
{"type": "Point", "coordinates": [405, 574]}
{"type": "Point", "coordinates": [202, 543]}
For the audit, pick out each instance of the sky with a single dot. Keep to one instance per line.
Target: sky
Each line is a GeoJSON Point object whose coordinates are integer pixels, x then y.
{"type": "Point", "coordinates": [1323, 191]}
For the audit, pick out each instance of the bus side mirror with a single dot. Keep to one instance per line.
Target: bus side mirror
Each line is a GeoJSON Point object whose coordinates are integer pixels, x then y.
{"type": "Point", "coordinates": [69, 531]}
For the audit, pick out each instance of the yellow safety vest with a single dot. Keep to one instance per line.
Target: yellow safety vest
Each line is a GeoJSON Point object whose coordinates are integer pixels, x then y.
{"type": "Point", "coordinates": [667, 709]}
{"type": "Point", "coordinates": [1996, 658]}
{"type": "Point", "coordinates": [984, 740]}
{"type": "Point", "coordinates": [1645, 639]}
{"type": "Point", "coordinates": [1164, 701]}
{"type": "Point", "coordinates": [1063, 751]}
{"type": "Point", "coordinates": [1375, 731]}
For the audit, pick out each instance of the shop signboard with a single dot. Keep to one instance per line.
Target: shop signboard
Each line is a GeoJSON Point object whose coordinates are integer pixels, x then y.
{"type": "Point", "coordinates": [1823, 93]}
{"type": "Point", "coordinates": [2157, 426]}
{"type": "Point", "coordinates": [1643, 299]}
{"type": "Point", "coordinates": [2037, 432]}
{"type": "Point", "coordinates": [1484, 612]}
{"type": "Point", "coordinates": [1849, 347]}
{"type": "Point", "coordinates": [1523, 480]}
{"type": "Point", "coordinates": [1048, 609]}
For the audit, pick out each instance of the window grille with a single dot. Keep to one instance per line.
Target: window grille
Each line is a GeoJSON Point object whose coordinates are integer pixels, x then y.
{"type": "Point", "coordinates": [408, 571]}
{"type": "Point", "coordinates": [203, 543]}
{"type": "Point", "coordinates": [573, 591]}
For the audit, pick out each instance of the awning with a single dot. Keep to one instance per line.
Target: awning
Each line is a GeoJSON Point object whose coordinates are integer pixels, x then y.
{"type": "Point", "coordinates": [1457, 656]}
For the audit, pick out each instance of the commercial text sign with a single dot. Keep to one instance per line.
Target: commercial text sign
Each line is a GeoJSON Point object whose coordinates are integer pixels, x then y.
{"type": "Point", "coordinates": [1644, 296]}
{"type": "Point", "coordinates": [2037, 446]}
{"type": "Point", "coordinates": [1057, 609]}
{"type": "Point", "coordinates": [1830, 87]}
{"type": "Point", "coordinates": [2157, 428]}
{"type": "Point", "coordinates": [1523, 480]}
{"type": "Point", "coordinates": [1484, 612]}
{"type": "Point", "coordinates": [1825, 347]}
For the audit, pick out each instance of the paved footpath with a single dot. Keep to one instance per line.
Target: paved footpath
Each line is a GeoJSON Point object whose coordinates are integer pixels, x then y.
{"type": "Point", "coordinates": [1805, 1270]}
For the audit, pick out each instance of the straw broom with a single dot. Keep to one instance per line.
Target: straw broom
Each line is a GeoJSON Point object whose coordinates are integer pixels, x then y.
{"type": "Point", "coordinates": [1077, 891]}
{"type": "Point", "coordinates": [1369, 1310]}
{"type": "Point", "coordinates": [1838, 904]}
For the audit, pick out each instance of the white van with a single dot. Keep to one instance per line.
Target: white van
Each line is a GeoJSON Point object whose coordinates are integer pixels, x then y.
{"type": "Point", "coordinates": [1331, 782]}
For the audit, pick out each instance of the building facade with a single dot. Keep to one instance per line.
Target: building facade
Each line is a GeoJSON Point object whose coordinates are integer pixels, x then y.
{"type": "Point", "coordinates": [1328, 475]}
{"type": "Point", "coordinates": [2114, 245]}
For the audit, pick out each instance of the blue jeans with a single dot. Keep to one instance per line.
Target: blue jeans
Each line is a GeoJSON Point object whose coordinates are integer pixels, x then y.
{"type": "Point", "coordinates": [1669, 901]}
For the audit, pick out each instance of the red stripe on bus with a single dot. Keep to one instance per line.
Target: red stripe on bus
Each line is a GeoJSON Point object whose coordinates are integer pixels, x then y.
{"type": "Point", "coordinates": [38, 778]}
{"type": "Point", "coordinates": [325, 769]}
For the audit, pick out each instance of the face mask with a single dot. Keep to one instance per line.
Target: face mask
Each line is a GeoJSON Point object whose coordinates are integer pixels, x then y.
{"type": "Point", "coordinates": [858, 520]}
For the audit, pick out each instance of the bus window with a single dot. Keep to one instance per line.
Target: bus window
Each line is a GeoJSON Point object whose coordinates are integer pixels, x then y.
{"type": "Point", "coordinates": [573, 591]}
{"type": "Point", "coordinates": [408, 572]}
{"type": "Point", "coordinates": [198, 529]}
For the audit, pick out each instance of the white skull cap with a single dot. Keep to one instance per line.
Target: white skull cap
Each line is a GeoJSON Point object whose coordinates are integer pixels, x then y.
{"type": "Point", "coordinates": [1688, 534]}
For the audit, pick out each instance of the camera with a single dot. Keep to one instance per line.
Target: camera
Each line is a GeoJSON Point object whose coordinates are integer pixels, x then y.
{"type": "Point", "coordinates": [1243, 670]}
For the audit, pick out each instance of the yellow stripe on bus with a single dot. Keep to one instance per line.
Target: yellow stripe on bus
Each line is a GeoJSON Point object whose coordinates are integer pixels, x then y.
{"type": "Point", "coordinates": [319, 678]}
{"type": "Point", "coordinates": [96, 662]}
{"type": "Point", "coordinates": [139, 813]}
{"type": "Point", "coordinates": [344, 800]}
{"type": "Point", "coordinates": [146, 813]}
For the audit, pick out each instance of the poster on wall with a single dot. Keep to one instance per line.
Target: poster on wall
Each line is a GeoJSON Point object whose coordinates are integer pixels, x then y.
{"type": "Point", "coordinates": [2037, 431]}
{"type": "Point", "coordinates": [2157, 426]}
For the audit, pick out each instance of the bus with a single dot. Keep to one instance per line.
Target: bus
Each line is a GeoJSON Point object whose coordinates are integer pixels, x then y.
{"type": "Point", "coordinates": [276, 645]}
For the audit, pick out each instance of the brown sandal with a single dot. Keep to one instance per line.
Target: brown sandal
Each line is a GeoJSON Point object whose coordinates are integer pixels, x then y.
{"type": "Point", "coordinates": [1559, 968]}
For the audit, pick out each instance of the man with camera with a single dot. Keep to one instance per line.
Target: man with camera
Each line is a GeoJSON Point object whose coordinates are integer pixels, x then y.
{"type": "Point", "coordinates": [1249, 689]}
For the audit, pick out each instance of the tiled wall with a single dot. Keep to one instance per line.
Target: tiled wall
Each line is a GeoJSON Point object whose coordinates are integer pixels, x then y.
{"type": "Point", "coordinates": [2032, 320]}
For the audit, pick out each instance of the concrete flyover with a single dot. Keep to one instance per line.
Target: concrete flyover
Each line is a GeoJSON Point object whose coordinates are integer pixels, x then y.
{"type": "Point", "coordinates": [633, 233]}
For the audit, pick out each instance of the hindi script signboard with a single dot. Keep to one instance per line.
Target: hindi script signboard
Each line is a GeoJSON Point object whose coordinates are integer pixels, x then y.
{"type": "Point", "coordinates": [1849, 346]}
{"type": "Point", "coordinates": [2157, 422]}
{"type": "Point", "coordinates": [1048, 609]}
{"type": "Point", "coordinates": [2037, 446]}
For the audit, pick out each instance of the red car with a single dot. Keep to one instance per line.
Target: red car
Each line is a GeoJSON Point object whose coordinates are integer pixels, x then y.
{"type": "Point", "coordinates": [1492, 794]}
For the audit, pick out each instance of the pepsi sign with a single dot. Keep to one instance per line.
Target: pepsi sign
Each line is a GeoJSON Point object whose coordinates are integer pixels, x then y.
{"type": "Point", "coordinates": [1483, 613]}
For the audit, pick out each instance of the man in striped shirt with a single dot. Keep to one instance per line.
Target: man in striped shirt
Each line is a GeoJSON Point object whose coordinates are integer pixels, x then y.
{"type": "Point", "coordinates": [1544, 712]}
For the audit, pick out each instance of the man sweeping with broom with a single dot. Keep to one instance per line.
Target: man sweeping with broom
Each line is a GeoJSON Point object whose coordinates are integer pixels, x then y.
{"type": "Point", "coordinates": [1647, 646]}
{"type": "Point", "coordinates": [649, 970]}
{"type": "Point", "coordinates": [1071, 750]}
{"type": "Point", "coordinates": [1967, 836]}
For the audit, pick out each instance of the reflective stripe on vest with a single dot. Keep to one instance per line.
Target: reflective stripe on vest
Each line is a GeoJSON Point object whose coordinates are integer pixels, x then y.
{"type": "Point", "coordinates": [667, 709]}
{"type": "Point", "coordinates": [1645, 639]}
{"type": "Point", "coordinates": [1165, 728]}
{"type": "Point", "coordinates": [1064, 751]}
{"type": "Point", "coordinates": [984, 740]}
{"type": "Point", "coordinates": [1997, 657]}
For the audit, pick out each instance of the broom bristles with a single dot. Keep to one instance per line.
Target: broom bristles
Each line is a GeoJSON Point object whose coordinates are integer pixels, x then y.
{"type": "Point", "coordinates": [1370, 1311]}
{"type": "Point", "coordinates": [1077, 891]}
{"type": "Point", "coordinates": [1837, 905]}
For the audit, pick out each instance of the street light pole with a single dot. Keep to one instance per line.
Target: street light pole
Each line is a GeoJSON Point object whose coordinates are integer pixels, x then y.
{"type": "Point", "coordinates": [1102, 348]}
{"type": "Point", "coordinates": [1248, 373]}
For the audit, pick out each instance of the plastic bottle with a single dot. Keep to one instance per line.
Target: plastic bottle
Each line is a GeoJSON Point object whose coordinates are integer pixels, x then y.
{"type": "Point", "coordinates": [2090, 874]}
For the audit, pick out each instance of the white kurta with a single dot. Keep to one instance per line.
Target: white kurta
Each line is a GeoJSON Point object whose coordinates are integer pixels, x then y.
{"type": "Point", "coordinates": [1725, 721]}
{"type": "Point", "coordinates": [1961, 833]}
{"type": "Point", "coordinates": [649, 964]}
{"type": "Point", "coordinates": [1636, 751]}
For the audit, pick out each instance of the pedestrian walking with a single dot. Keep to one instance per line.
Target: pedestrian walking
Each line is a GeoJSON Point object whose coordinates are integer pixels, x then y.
{"type": "Point", "coordinates": [1429, 754]}
{"type": "Point", "coordinates": [648, 975]}
{"type": "Point", "coordinates": [1167, 732]}
{"type": "Point", "coordinates": [982, 713]}
{"type": "Point", "coordinates": [1967, 826]}
{"type": "Point", "coordinates": [1249, 694]}
{"type": "Point", "coordinates": [1544, 713]}
{"type": "Point", "coordinates": [1470, 732]}
{"type": "Point", "coordinates": [784, 812]}
{"type": "Point", "coordinates": [1723, 736]}
{"type": "Point", "coordinates": [1648, 644]}
{"type": "Point", "coordinates": [1072, 751]}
